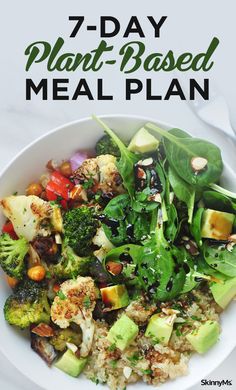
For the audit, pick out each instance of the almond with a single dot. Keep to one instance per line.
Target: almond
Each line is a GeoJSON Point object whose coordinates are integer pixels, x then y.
{"type": "Point", "coordinates": [43, 330]}
{"type": "Point", "coordinates": [114, 268]}
{"type": "Point", "coordinates": [198, 164]}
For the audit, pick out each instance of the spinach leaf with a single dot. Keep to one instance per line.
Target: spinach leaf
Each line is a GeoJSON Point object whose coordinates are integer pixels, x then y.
{"type": "Point", "coordinates": [220, 259]}
{"type": "Point", "coordinates": [158, 265]}
{"type": "Point", "coordinates": [180, 148]}
{"type": "Point", "coordinates": [160, 268]}
{"type": "Point", "coordinates": [203, 267]}
{"type": "Point", "coordinates": [125, 164]}
{"type": "Point", "coordinates": [217, 201]}
{"type": "Point", "coordinates": [171, 225]}
{"type": "Point", "coordinates": [195, 227]}
{"type": "Point", "coordinates": [122, 224]}
{"type": "Point", "coordinates": [183, 191]}
{"type": "Point", "coordinates": [223, 191]}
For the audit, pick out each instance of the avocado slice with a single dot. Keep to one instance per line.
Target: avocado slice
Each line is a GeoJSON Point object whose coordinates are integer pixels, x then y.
{"type": "Point", "coordinates": [224, 292]}
{"type": "Point", "coordinates": [205, 336]}
{"type": "Point", "coordinates": [216, 224]}
{"type": "Point", "coordinates": [123, 332]}
{"type": "Point", "coordinates": [143, 142]}
{"type": "Point", "coordinates": [70, 364]}
{"type": "Point", "coordinates": [160, 328]}
{"type": "Point", "coordinates": [115, 297]}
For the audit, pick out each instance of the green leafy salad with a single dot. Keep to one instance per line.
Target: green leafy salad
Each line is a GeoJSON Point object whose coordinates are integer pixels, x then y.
{"type": "Point", "coordinates": [127, 250]}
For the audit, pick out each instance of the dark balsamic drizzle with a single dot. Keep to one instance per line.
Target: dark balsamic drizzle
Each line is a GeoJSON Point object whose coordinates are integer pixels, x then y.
{"type": "Point", "coordinates": [198, 279]}
{"type": "Point", "coordinates": [186, 268]}
{"type": "Point", "coordinates": [169, 285]}
{"type": "Point", "coordinates": [130, 231]}
{"type": "Point", "coordinates": [125, 258]}
{"type": "Point", "coordinates": [112, 223]}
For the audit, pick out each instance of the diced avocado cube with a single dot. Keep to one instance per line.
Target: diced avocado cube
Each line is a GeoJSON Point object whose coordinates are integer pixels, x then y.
{"type": "Point", "coordinates": [143, 142]}
{"type": "Point", "coordinates": [115, 297]}
{"type": "Point", "coordinates": [70, 364]}
{"type": "Point", "coordinates": [216, 224]}
{"type": "Point", "coordinates": [205, 336]}
{"type": "Point", "coordinates": [224, 292]}
{"type": "Point", "coordinates": [160, 328]}
{"type": "Point", "coordinates": [123, 332]}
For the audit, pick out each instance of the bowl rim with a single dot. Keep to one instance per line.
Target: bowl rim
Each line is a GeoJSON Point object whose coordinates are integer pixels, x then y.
{"type": "Point", "coordinates": [60, 128]}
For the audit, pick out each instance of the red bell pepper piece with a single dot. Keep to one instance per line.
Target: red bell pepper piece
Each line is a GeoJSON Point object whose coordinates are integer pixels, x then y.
{"type": "Point", "coordinates": [58, 186]}
{"type": "Point", "coordinates": [9, 229]}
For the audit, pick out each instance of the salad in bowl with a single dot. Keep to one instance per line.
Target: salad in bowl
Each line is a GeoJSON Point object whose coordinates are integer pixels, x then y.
{"type": "Point", "coordinates": [121, 259]}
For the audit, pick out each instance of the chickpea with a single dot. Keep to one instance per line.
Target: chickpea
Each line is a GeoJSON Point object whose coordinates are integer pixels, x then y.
{"type": "Point", "coordinates": [34, 189]}
{"type": "Point", "coordinates": [65, 169]}
{"type": "Point", "coordinates": [36, 273]}
{"type": "Point", "coordinates": [12, 282]}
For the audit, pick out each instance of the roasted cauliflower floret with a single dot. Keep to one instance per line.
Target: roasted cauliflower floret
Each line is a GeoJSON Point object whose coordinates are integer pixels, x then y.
{"type": "Point", "coordinates": [29, 215]}
{"type": "Point", "coordinates": [101, 240]}
{"type": "Point", "coordinates": [75, 303]}
{"type": "Point", "coordinates": [103, 171]}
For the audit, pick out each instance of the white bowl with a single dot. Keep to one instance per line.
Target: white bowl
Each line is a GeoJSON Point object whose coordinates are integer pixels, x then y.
{"type": "Point", "coordinates": [27, 167]}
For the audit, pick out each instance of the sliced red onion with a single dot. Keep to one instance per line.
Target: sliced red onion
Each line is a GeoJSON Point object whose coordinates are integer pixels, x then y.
{"type": "Point", "coordinates": [77, 159]}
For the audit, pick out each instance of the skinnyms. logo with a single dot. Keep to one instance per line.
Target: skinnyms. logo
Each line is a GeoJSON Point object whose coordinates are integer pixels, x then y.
{"type": "Point", "coordinates": [223, 382]}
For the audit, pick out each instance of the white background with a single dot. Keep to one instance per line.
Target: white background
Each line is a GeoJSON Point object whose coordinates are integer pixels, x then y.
{"type": "Point", "coordinates": [190, 27]}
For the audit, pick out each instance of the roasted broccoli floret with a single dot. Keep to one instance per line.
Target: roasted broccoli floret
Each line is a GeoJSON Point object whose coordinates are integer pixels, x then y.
{"type": "Point", "coordinates": [63, 336]}
{"type": "Point", "coordinates": [80, 227]}
{"type": "Point", "coordinates": [70, 264]}
{"type": "Point", "coordinates": [28, 305]}
{"type": "Point", "coordinates": [12, 254]}
{"type": "Point", "coordinates": [106, 145]}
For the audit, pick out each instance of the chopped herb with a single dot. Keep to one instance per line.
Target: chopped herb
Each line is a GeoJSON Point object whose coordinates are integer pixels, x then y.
{"type": "Point", "coordinates": [134, 359]}
{"type": "Point", "coordinates": [15, 193]}
{"type": "Point", "coordinates": [61, 295]}
{"type": "Point", "coordinates": [147, 372]}
{"type": "Point", "coordinates": [86, 302]}
{"type": "Point", "coordinates": [48, 275]}
{"type": "Point", "coordinates": [195, 318]}
{"type": "Point", "coordinates": [178, 332]}
{"type": "Point", "coordinates": [113, 363]}
{"type": "Point", "coordinates": [95, 380]}
{"type": "Point", "coordinates": [88, 184]}
{"type": "Point", "coordinates": [112, 347]}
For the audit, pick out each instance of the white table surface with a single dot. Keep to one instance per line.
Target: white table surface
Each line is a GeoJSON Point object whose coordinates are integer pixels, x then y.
{"type": "Point", "coordinates": [21, 121]}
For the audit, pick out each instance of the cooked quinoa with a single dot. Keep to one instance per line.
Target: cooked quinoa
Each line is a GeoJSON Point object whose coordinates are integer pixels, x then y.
{"type": "Point", "coordinates": [144, 360]}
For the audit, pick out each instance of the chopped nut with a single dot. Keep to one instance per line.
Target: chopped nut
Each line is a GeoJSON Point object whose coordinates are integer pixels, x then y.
{"type": "Point", "coordinates": [78, 193]}
{"type": "Point", "coordinates": [127, 371]}
{"type": "Point", "coordinates": [147, 162]}
{"type": "Point", "coordinates": [52, 165]}
{"type": "Point", "coordinates": [232, 238]}
{"type": "Point", "coordinates": [114, 268]}
{"type": "Point", "coordinates": [72, 347]}
{"type": "Point", "coordinates": [155, 198]}
{"type": "Point", "coordinates": [141, 174]}
{"type": "Point", "coordinates": [168, 311]}
{"type": "Point", "coordinates": [198, 163]}
{"type": "Point", "coordinates": [230, 246]}
{"type": "Point", "coordinates": [43, 330]}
